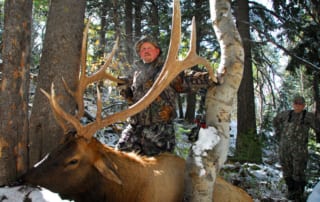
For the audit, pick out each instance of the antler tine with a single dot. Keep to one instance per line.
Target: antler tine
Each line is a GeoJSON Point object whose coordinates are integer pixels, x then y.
{"type": "Point", "coordinates": [78, 94]}
{"type": "Point", "coordinates": [99, 106]}
{"type": "Point", "coordinates": [97, 76]}
{"type": "Point", "coordinates": [84, 80]}
{"type": "Point", "coordinates": [83, 55]}
{"type": "Point", "coordinates": [101, 74]}
{"type": "Point", "coordinates": [85, 131]}
{"type": "Point", "coordinates": [60, 113]}
{"type": "Point", "coordinates": [93, 127]}
{"type": "Point", "coordinates": [192, 55]}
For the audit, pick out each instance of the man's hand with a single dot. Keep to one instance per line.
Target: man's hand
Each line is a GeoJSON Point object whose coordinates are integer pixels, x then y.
{"type": "Point", "coordinates": [165, 113]}
{"type": "Point", "coordinates": [125, 81]}
{"type": "Point", "coordinates": [127, 94]}
{"type": "Point", "coordinates": [125, 90]}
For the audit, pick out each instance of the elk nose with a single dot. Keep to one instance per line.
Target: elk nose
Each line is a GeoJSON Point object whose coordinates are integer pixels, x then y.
{"type": "Point", "coordinates": [18, 182]}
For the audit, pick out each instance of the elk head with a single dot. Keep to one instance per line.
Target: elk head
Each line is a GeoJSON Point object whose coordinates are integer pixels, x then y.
{"type": "Point", "coordinates": [76, 169]}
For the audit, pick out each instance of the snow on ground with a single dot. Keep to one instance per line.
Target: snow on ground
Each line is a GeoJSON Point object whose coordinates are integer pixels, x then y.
{"type": "Point", "coordinates": [315, 195]}
{"type": "Point", "coordinates": [25, 193]}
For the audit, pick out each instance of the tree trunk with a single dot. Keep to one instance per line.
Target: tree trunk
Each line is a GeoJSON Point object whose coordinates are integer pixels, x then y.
{"type": "Point", "coordinates": [60, 58]}
{"type": "Point", "coordinates": [316, 95]}
{"type": "Point", "coordinates": [202, 168]}
{"type": "Point", "coordinates": [129, 27]}
{"type": "Point", "coordinates": [247, 146]}
{"type": "Point", "coordinates": [15, 89]}
{"type": "Point", "coordinates": [191, 97]}
{"type": "Point", "coordinates": [191, 106]}
{"type": "Point", "coordinates": [155, 19]}
{"type": "Point", "coordinates": [103, 12]}
{"type": "Point", "coordinates": [137, 18]}
{"type": "Point", "coordinates": [116, 9]}
{"type": "Point", "coordinates": [180, 100]}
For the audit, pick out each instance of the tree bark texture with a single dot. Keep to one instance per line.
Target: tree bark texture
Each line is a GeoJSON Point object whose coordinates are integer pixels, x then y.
{"type": "Point", "coordinates": [60, 59]}
{"type": "Point", "coordinates": [155, 24]}
{"type": "Point", "coordinates": [137, 19]}
{"type": "Point", "coordinates": [14, 89]}
{"type": "Point", "coordinates": [129, 22]}
{"type": "Point", "coordinates": [246, 117]}
{"type": "Point", "coordinates": [219, 101]}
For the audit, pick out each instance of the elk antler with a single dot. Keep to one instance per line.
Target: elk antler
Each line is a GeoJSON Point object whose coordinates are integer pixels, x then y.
{"type": "Point", "coordinates": [85, 131]}
{"type": "Point", "coordinates": [84, 80]}
{"type": "Point", "coordinates": [171, 69]}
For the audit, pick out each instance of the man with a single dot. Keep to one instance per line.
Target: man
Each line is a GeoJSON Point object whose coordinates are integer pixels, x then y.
{"type": "Point", "coordinates": [151, 131]}
{"type": "Point", "coordinates": [292, 129]}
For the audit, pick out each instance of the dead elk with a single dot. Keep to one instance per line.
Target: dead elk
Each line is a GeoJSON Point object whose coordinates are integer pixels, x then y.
{"type": "Point", "coordinates": [86, 170]}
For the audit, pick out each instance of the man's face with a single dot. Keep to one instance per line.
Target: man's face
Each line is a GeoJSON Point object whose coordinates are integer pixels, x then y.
{"type": "Point", "coordinates": [298, 107]}
{"type": "Point", "coordinates": [148, 52]}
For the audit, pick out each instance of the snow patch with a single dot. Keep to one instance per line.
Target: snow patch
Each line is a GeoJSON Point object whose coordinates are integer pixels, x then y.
{"type": "Point", "coordinates": [208, 138]}
{"type": "Point", "coordinates": [25, 193]}
{"type": "Point", "coordinates": [315, 195]}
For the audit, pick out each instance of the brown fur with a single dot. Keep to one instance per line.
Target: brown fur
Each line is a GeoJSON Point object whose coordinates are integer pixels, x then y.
{"type": "Point", "coordinates": [226, 192]}
{"type": "Point", "coordinates": [85, 170]}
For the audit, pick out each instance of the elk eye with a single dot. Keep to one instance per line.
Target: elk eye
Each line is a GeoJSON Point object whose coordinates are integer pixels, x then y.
{"type": "Point", "coordinates": [73, 162]}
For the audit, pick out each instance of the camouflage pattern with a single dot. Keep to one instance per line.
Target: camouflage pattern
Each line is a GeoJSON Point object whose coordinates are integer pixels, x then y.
{"type": "Point", "coordinates": [293, 133]}
{"type": "Point", "coordinates": [292, 129]}
{"type": "Point", "coordinates": [147, 133]}
{"type": "Point", "coordinates": [148, 140]}
{"type": "Point", "coordinates": [192, 81]}
{"type": "Point", "coordinates": [143, 79]}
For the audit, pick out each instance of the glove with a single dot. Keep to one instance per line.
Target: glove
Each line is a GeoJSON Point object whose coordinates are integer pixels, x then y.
{"type": "Point", "coordinates": [127, 94]}
{"type": "Point", "coordinates": [177, 84]}
{"type": "Point", "coordinates": [125, 79]}
{"type": "Point", "coordinates": [165, 113]}
{"type": "Point", "coordinates": [125, 90]}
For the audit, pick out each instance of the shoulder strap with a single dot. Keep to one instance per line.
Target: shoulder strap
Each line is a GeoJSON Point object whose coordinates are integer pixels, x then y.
{"type": "Point", "coordinates": [304, 112]}
{"type": "Point", "coordinates": [290, 116]}
{"type": "Point", "coordinates": [303, 116]}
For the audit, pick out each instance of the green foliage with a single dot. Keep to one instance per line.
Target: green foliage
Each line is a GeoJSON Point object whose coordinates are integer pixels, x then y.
{"type": "Point", "coordinates": [40, 9]}
{"type": "Point", "coordinates": [300, 22]}
{"type": "Point", "coordinates": [295, 83]}
{"type": "Point", "coordinates": [183, 145]}
{"type": "Point", "coordinates": [313, 171]}
{"type": "Point", "coordinates": [39, 18]}
{"type": "Point", "coordinates": [248, 148]}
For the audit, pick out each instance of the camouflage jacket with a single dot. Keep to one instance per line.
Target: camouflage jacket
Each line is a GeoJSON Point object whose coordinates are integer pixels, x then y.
{"type": "Point", "coordinates": [143, 78]}
{"type": "Point", "coordinates": [292, 129]}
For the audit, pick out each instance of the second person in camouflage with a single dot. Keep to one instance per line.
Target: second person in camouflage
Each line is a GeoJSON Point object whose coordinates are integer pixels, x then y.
{"type": "Point", "coordinates": [292, 129]}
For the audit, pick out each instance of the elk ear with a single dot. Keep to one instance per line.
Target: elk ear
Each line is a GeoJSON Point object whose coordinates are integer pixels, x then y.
{"type": "Point", "coordinates": [107, 172]}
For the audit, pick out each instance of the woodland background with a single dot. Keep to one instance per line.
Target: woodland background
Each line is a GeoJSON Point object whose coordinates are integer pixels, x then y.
{"type": "Point", "coordinates": [281, 41]}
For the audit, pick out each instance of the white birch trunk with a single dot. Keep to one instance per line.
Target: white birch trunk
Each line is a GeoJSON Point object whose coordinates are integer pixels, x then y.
{"type": "Point", "coordinates": [219, 101]}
